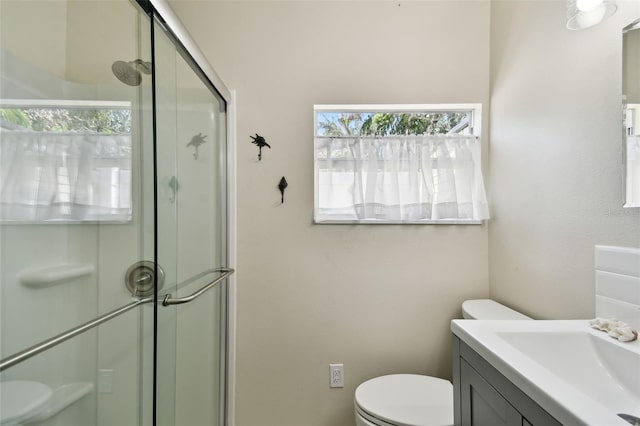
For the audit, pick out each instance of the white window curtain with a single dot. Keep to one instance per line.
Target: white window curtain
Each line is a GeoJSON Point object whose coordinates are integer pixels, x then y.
{"type": "Point", "coordinates": [64, 177]}
{"type": "Point", "coordinates": [399, 179]}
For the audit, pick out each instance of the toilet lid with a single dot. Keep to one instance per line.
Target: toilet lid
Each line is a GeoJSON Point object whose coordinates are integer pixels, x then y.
{"type": "Point", "coordinates": [407, 400]}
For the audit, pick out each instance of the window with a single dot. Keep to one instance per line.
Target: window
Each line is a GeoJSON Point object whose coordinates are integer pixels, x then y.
{"type": "Point", "coordinates": [65, 161]}
{"type": "Point", "coordinates": [632, 153]}
{"type": "Point", "coordinates": [398, 164]}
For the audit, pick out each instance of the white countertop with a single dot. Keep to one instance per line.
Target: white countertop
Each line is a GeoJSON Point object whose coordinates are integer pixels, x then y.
{"type": "Point", "coordinates": [577, 374]}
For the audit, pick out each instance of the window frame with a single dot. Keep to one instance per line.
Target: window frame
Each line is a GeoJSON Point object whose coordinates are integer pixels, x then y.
{"type": "Point", "coordinates": [475, 129]}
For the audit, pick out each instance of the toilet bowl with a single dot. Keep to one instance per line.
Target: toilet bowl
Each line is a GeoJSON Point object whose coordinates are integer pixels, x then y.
{"type": "Point", "coordinates": [404, 400]}
{"type": "Point", "coordinates": [416, 400]}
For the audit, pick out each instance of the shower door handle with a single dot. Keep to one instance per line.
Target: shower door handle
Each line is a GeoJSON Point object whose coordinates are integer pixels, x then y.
{"type": "Point", "coordinates": [226, 272]}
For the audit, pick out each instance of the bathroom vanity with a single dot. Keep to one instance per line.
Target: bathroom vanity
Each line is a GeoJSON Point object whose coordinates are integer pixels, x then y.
{"type": "Point", "coordinates": [543, 373]}
{"type": "Point", "coordinates": [554, 372]}
{"type": "Point", "coordinates": [479, 390]}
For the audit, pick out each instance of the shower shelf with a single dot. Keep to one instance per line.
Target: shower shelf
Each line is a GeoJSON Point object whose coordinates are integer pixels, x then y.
{"type": "Point", "coordinates": [61, 398]}
{"type": "Point", "coordinates": [22, 399]}
{"type": "Point", "coordinates": [53, 275]}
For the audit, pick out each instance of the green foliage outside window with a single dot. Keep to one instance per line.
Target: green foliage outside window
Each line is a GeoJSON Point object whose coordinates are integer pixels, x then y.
{"type": "Point", "coordinates": [99, 120]}
{"type": "Point", "coordinates": [388, 124]}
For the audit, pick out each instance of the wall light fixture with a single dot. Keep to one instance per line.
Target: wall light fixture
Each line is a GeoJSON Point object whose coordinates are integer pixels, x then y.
{"type": "Point", "coordinates": [583, 14]}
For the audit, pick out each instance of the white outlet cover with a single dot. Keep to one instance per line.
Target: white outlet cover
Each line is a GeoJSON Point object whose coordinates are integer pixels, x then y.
{"type": "Point", "coordinates": [336, 375]}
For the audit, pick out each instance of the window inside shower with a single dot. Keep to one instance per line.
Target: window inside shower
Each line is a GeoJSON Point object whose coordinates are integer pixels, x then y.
{"type": "Point", "coordinates": [65, 160]}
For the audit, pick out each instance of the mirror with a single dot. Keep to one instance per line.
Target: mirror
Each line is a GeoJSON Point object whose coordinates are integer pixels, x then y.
{"type": "Point", "coordinates": [631, 109]}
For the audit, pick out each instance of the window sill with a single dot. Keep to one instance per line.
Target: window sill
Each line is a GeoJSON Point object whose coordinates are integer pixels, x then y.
{"type": "Point", "coordinates": [399, 222]}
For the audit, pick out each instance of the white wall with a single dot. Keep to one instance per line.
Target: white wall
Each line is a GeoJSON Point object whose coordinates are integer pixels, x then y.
{"type": "Point", "coordinates": [50, 17]}
{"type": "Point", "coordinates": [99, 33]}
{"type": "Point", "coordinates": [555, 156]}
{"type": "Point", "coordinates": [376, 298]}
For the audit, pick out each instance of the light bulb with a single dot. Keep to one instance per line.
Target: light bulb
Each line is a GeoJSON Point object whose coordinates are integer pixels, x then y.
{"type": "Point", "coordinates": [587, 13]}
{"type": "Point", "coordinates": [592, 17]}
{"type": "Point", "coordinates": [586, 5]}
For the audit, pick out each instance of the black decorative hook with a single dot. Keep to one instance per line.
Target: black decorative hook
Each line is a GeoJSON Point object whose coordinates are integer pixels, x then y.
{"type": "Point", "coordinates": [282, 186]}
{"type": "Point", "coordinates": [195, 142]}
{"type": "Point", "coordinates": [260, 142]}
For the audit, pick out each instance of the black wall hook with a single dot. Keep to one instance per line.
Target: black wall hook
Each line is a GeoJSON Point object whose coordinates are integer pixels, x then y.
{"type": "Point", "coordinates": [282, 186]}
{"type": "Point", "coordinates": [260, 142]}
{"type": "Point", "coordinates": [195, 142]}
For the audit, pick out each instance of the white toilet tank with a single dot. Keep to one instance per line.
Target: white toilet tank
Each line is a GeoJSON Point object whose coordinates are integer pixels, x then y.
{"type": "Point", "coordinates": [487, 309]}
{"type": "Point", "coordinates": [415, 400]}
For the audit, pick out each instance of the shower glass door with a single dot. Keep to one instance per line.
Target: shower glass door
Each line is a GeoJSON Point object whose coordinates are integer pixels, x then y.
{"type": "Point", "coordinates": [112, 155]}
{"type": "Point", "coordinates": [76, 210]}
{"type": "Point", "coordinates": [191, 237]}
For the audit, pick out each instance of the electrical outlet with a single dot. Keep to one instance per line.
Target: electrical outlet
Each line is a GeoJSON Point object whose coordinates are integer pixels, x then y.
{"type": "Point", "coordinates": [105, 381]}
{"type": "Point", "coordinates": [336, 375]}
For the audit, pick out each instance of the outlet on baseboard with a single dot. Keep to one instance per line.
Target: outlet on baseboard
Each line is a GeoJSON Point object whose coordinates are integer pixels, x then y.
{"type": "Point", "coordinates": [336, 375]}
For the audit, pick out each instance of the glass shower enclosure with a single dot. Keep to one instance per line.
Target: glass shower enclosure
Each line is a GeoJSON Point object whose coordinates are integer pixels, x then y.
{"type": "Point", "coordinates": [114, 264]}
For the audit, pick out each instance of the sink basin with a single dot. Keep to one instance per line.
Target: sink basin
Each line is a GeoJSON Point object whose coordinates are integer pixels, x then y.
{"type": "Point", "coordinates": [594, 366]}
{"type": "Point", "coordinates": [577, 374]}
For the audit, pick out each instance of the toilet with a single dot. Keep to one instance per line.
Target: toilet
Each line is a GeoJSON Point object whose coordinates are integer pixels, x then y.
{"type": "Point", "coordinates": [417, 400]}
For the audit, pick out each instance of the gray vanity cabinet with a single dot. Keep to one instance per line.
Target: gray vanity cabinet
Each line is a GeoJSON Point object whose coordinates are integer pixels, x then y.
{"type": "Point", "coordinates": [484, 397]}
{"type": "Point", "coordinates": [481, 402]}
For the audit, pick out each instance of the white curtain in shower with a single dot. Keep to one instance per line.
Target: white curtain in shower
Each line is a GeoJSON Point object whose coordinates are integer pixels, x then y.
{"type": "Point", "coordinates": [64, 177]}
{"type": "Point", "coordinates": [400, 179]}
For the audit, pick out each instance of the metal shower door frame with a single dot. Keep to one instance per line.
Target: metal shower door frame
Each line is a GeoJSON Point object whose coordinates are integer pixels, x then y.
{"type": "Point", "coordinates": [161, 12]}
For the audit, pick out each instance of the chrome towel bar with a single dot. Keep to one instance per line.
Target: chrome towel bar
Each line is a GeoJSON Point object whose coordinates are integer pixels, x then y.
{"type": "Point", "coordinates": [25, 354]}
{"type": "Point", "coordinates": [56, 340]}
{"type": "Point", "coordinates": [226, 272]}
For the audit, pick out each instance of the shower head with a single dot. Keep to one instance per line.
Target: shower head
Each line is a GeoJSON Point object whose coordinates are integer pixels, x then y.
{"type": "Point", "coordinates": [130, 72]}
